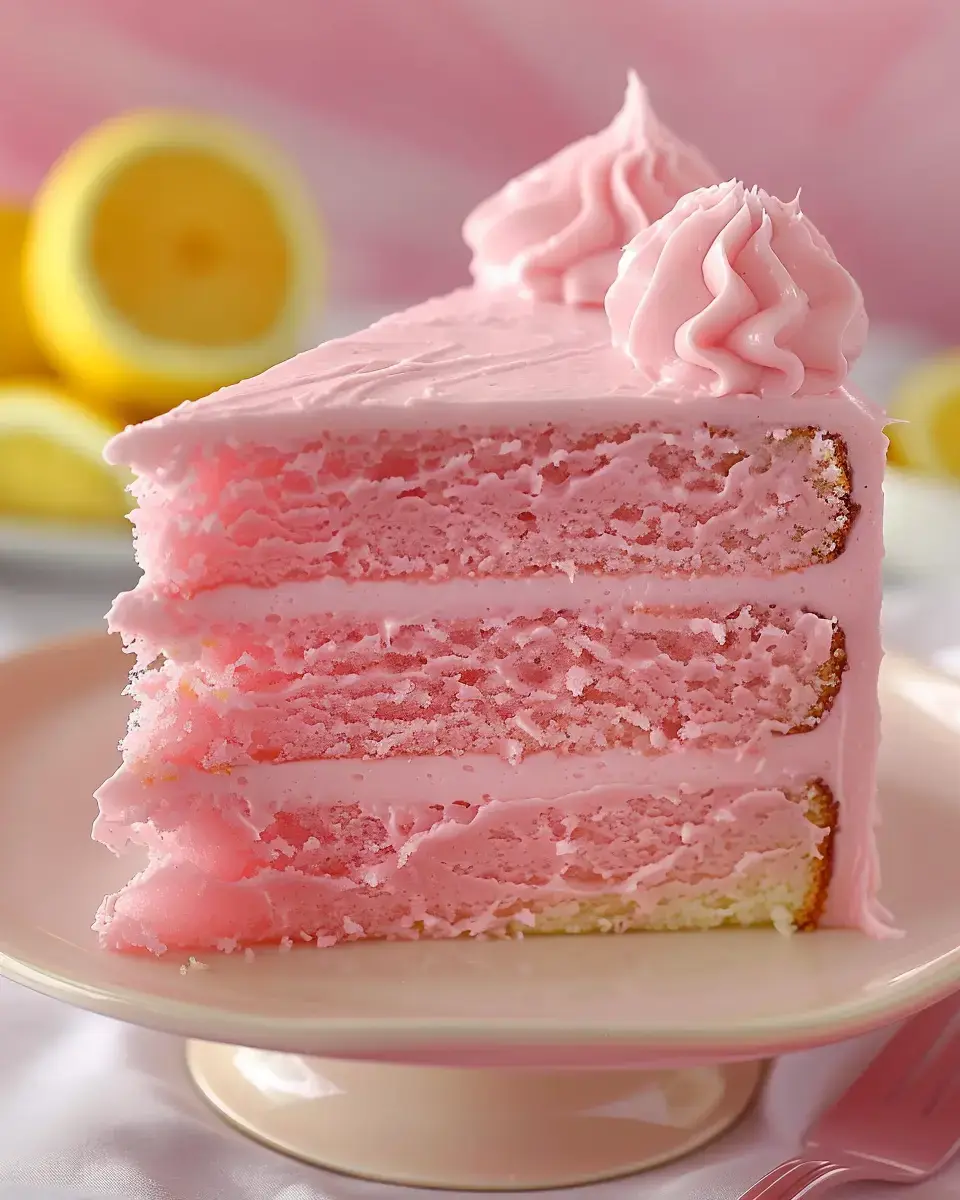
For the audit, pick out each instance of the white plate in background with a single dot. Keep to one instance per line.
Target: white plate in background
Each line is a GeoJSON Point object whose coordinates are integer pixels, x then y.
{"type": "Point", "coordinates": [921, 527]}
{"type": "Point", "coordinates": [64, 548]}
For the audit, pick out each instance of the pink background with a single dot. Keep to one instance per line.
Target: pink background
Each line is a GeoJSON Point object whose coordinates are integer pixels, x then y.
{"type": "Point", "coordinates": [403, 113]}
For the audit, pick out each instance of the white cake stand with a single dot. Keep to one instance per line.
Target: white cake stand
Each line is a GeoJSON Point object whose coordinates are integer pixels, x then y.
{"type": "Point", "coordinates": [470, 1064]}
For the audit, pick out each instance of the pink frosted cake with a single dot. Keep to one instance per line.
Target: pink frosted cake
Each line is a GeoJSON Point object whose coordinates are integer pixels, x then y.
{"type": "Point", "coordinates": [549, 605]}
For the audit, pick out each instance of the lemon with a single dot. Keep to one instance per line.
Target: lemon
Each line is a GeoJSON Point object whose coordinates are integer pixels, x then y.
{"type": "Point", "coordinates": [928, 400]}
{"type": "Point", "coordinates": [19, 352]}
{"type": "Point", "coordinates": [896, 455]}
{"type": "Point", "coordinates": [51, 456]}
{"type": "Point", "coordinates": [170, 254]}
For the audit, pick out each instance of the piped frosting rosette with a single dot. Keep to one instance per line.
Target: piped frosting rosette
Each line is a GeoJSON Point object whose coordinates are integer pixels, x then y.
{"type": "Point", "coordinates": [736, 292]}
{"type": "Point", "coordinates": [557, 231]}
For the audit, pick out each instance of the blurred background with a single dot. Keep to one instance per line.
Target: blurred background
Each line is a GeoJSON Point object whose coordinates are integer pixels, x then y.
{"type": "Point", "coordinates": [403, 115]}
{"type": "Point", "coordinates": [356, 134]}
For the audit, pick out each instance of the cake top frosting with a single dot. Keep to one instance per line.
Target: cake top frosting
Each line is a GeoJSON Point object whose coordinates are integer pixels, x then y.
{"type": "Point", "coordinates": [736, 292]}
{"type": "Point", "coordinates": [556, 232]}
{"type": "Point", "coordinates": [470, 356]}
{"type": "Point", "coordinates": [469, 351]}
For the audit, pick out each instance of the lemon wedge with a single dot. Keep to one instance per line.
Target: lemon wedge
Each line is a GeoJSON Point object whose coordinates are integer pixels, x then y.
{"type": "Point", "coordinates": [170, 254]}
{"type": "Point", "coordinates": [19, 352]}
{"type": "Point", "coordinates": [928, 400]}
{"type": "Point", "coordinates": [51, 457]}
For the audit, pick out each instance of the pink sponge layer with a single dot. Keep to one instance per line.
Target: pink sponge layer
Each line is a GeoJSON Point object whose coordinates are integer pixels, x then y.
{"type": "Point", "coordinates": [650, 680]}
{"type": "Point", "coordinates": [632, 499]}
{"type": "Point", "coordinates": [332, 872]}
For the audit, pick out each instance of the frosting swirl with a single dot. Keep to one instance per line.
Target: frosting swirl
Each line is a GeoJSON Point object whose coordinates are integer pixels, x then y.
{"type": "Point", "coordinates": [735, 291]}
{"type": "Point", "coordinates": [556, 232]}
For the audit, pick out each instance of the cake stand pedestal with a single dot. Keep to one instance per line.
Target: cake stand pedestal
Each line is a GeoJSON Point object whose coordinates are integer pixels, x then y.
{"type": "Point", "coordinates": [483, 1065]}
{"type": "Point", "coordinates": [474, 1127]}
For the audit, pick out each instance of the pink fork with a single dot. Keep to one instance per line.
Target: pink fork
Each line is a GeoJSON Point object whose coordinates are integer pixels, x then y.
{"type": "Point", "coordinates": [899, 1122]}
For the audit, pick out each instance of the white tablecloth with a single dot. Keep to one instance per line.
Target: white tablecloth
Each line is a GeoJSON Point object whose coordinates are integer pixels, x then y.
{"type": "Point", "coordinates": [92, 1108]}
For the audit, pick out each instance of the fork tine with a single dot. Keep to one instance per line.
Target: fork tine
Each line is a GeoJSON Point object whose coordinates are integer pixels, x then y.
{"type": "Point", "coordinates": [899, 1057]}
{"type": "Point", "coordinates": [782, 1180]}
{"type": "Point", "coordinates": [811, 1185]}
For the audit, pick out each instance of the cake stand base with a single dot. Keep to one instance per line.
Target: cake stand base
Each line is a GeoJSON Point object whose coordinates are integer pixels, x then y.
{"type": "Point", "coordinates": [480, 1129]}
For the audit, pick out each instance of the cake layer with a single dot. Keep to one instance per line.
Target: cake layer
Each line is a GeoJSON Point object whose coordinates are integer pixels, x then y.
{"type": "Point", "coordinates": [651, 680]}
{"type": "Point", "coordinates": [608, 858]}
{"type": "Point", "coordinates": [508, 501]}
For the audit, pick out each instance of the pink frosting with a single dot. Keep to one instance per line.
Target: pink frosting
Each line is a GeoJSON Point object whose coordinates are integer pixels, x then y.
{"type": "Point", "coordinates": [736, 292]}
{"type": "Point", "coordinates": [556, 232]}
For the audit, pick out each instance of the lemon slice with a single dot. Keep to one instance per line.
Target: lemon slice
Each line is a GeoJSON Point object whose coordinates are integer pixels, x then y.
{"type": "Point", "coordinates": [929, 401]}
{"type": "Point", "coordinates": [170, 254]}
{"type": "Point", "coordinates": [51, 457]}
{"type": "Point", "coordinates": [19, 352]}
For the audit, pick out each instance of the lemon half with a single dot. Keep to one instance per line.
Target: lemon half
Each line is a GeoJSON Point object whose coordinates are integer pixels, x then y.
{"type": "Point", "coordinates": [928, 400]}
{"type": "Point", "coordinates": [51, 457]}
{"type": "Point", "coordinates": [19, 352]}
{"type": "Point", "coordinates": [170, 254]}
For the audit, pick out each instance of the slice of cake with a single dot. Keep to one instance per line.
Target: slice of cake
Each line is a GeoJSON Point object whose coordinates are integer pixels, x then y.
{"type": "Point", "coordinates": [515, 613]}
